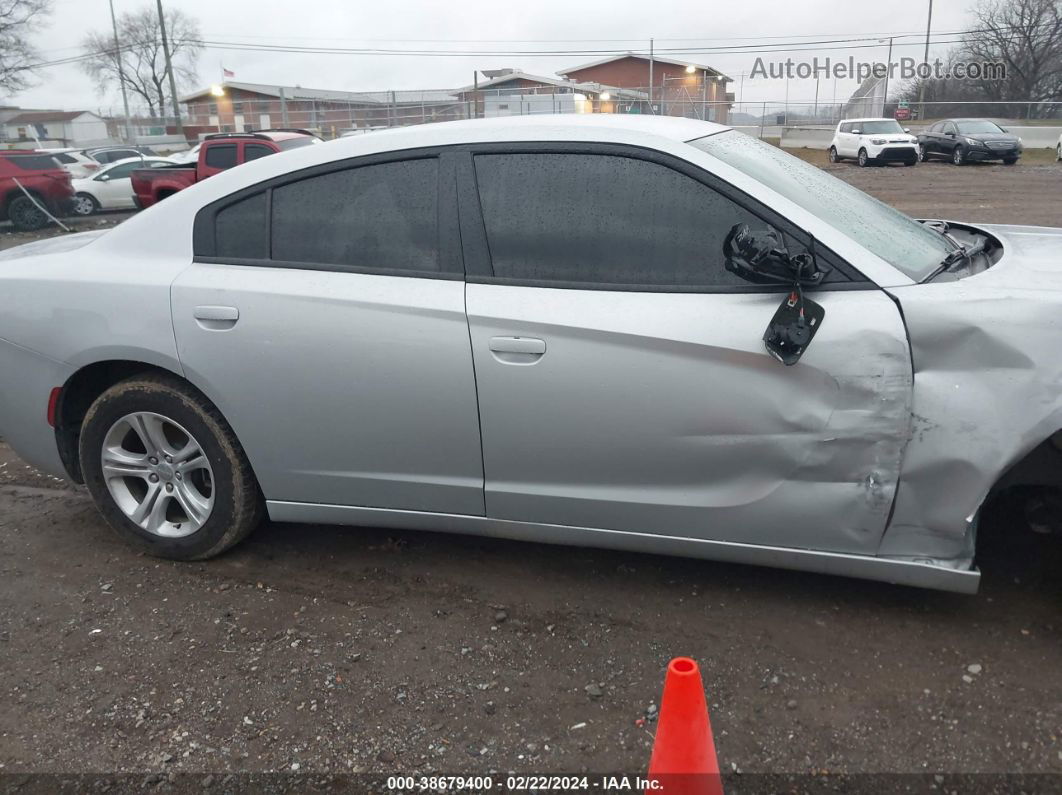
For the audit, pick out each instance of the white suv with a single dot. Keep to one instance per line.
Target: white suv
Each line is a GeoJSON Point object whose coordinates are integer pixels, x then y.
{"type": "Point", "coordinates": [873, 141]}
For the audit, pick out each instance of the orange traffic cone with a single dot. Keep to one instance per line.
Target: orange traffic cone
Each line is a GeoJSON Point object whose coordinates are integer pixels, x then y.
{"type": "Point", "coordinates": [683, 760]}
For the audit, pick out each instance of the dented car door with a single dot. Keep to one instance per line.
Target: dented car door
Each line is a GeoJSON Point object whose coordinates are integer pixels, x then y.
{"type": "Point", "coordinates": [621, 372]}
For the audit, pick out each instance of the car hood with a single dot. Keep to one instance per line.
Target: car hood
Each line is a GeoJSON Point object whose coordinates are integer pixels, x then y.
{"type": "Point", "coordinates": [1032, 255]}
{"type": "Point", "coordinates": [54, 245]}
{"type": "Point", "coordinates": [1007, 137]}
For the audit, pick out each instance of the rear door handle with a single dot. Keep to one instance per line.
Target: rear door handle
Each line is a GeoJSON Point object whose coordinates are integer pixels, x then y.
{"type": "Point", "coordinates": [517, 350]}
{"type": "Point", "coordinates": [216, 318]}
{"type": "Point", "coordinates": [517, 345]}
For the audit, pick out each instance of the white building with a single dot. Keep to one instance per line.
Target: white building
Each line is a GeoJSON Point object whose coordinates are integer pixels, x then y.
{"type": "Point", "coordinates": [67, 128]}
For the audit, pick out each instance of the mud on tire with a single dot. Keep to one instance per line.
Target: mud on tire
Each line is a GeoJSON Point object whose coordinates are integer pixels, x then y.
{"type": "Point", "coordinates": [237, 506]}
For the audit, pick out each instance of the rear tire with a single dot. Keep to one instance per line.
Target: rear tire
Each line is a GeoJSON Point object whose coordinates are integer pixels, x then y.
{"type": "Point", "coordinates": [177, 483]}
{"type": "Point", "coordinates": [921, 153]}
{"type": "Point", "coordinates": [833, 156]}
{"type": "Point", "coordinates": [26, 216]}
{"type": "Point", "coordinates": [84, 205]}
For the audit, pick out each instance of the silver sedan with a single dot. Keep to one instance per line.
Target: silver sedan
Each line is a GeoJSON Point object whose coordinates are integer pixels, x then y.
{"type": "Point", "coordinates": [639, 333]}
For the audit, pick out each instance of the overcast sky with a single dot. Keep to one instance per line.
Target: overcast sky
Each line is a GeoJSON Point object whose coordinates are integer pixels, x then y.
{"type": "Point", "coordinates": [503, 25]}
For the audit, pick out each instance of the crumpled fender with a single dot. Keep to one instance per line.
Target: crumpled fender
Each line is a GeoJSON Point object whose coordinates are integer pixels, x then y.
{"type": "Point", "coordinates": [987, 390]}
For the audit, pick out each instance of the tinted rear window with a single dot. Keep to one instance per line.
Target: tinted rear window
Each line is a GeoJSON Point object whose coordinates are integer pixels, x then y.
{"type": "Point", "coordinates": [221, 155]}
{"type": "Point", "coordinates": [381, 216]}
{"type": "Point", "coordinates": [240, 229]}
{"type": "Point", "coordinates": [33, 162]}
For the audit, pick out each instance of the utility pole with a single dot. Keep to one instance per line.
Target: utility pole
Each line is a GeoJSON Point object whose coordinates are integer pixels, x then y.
{"type": "Point", "coordinates": [925, 59]}
{"type": "Point", "coordinates": [169, 69]}
{"type": "Point", "coordinates": [121, 78]}
{"type": "Point", "coordinates": [651, 110]}
{"type": "Point", "coordinates": [888, 68]}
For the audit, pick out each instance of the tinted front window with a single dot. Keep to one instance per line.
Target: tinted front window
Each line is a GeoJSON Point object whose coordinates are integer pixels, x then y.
{"type": "Point", "coordinates": [382, 216]}
{"type": "Point", "coordinates": [603, 219]}
{"type": "Point", "coordinates": [221, 155]}
{"type": "Point", "coordinates": [123, 171]}
{"type": "Point", "coordinates": [912, 248]}
{"type": "Point", "coordinates": [240, 229]}
{"type": "Point", "coordinates": [62, 157]}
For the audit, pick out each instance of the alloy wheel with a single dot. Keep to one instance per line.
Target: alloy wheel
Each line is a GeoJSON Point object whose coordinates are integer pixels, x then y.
{"type": "Point", "coordinates": [83, 205]}
{"type": "Point", "coordinates": [921, 153]}
{"type": "Point", "coordinates": [25, 215]}
{"type": "Point", "coordinates": [158, 475]}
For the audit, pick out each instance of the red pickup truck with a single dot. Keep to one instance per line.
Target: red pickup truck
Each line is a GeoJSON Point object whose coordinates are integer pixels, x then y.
{"type": "Point", "coordinates": [217, 152]}
{"type": "Point", "coordinates": [43, 178]}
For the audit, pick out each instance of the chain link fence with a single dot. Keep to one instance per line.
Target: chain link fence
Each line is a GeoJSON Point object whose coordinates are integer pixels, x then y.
{"type": "Point", "coordinates": [335, 114]}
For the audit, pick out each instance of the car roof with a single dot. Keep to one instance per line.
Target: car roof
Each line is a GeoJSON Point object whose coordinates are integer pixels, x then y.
{"type": "Point", "coordinates": [549, 126]}
{"type": "Point", "coordinates": [131, 160]}
{"type": "Point", "coordinates": [869, 118]}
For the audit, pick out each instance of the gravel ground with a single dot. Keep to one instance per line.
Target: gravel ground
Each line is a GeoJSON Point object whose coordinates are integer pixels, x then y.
{"type": "Point", "coordinates": [332, 651]}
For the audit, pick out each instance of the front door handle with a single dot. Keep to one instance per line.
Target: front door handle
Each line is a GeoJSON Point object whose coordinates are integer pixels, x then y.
{"type": "Point", "coordinates": [517, 350]}
{"type": "Point", "coordinates": [216, 318]}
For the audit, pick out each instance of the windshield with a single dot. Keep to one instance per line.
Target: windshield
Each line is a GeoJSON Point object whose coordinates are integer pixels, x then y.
{"type": "Point", "coordinates": [977, 126]}
{"type": "Point", "coordinates": [907, 245]}
{"type": "Point", "coordinates": [885, 126]}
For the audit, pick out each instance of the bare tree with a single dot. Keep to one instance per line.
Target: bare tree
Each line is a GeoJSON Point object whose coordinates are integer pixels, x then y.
{"type": "Point", "coordinates": [143, 64]}
{"type": "Point", "coordinates": [18, 20]}
{"type": "Point", "coordinates": [1026, 36]}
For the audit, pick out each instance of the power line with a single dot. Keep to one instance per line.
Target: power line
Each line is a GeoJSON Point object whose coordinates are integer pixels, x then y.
{"type": "Point", "coordinates": [773, 47]}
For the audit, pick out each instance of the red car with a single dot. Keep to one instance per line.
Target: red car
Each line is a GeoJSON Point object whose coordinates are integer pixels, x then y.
{"type": "Point", "coordinates": [43, 178]}
{"type": "Point", "coordinates": [217, 152]}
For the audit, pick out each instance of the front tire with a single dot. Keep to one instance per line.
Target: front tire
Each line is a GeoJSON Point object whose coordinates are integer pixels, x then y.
{"type": "Point", "coordinates": [84, 205]}
{"type": "Point", "coordinates": [958, 156]}
{"type": "Point", "coordinates": [1009, 161]}
{"type": "Point", "coordinates": [864, 159]}
{"type": "Point", "coordinates": [166, 471]}
{"type": "Point", "coordinates": [26, 216]}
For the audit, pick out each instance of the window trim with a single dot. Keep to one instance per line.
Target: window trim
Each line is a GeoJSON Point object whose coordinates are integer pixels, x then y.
{"type": "Point", "coordinates": [448, 236]}
{"type": "Point", "coordinates": [479, 265]}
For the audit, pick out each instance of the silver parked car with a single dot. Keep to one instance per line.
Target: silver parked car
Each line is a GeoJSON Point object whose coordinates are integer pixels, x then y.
{"type": "Point", "coordinates": [640, 333]}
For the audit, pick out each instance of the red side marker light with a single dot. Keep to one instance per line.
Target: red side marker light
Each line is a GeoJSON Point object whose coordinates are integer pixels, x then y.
{"type": "Point", "coordinates": [53, 402]}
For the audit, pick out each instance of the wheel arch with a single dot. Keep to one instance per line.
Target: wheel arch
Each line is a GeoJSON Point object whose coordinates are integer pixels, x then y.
{"type": "Point", "coordinates": [89, 382]}
{"type": "Point", "coordinates": [1041, 466]}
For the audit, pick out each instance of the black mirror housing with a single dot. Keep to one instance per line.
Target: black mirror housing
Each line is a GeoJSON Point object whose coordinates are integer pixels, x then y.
{"type": "Point", "coordinates": [761, 258]}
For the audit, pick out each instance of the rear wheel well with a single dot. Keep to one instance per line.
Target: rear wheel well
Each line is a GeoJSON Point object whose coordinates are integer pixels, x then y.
{"type": "Point", "coordinates": [79, 392]}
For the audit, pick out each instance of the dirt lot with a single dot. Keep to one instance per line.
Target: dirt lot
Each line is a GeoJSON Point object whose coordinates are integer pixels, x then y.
{"type": "Point", "coordinates": [328, 650]}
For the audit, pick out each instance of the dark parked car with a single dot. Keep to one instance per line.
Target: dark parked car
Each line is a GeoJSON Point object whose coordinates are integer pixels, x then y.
{"type": "Point", "coordinates": [961, 140]}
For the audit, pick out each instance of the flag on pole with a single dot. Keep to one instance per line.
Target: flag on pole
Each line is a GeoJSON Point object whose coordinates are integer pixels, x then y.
{"type": "Point", "coordinates": [227, 72]}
